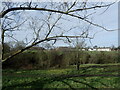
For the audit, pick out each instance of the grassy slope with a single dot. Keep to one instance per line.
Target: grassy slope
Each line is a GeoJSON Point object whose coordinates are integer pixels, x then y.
{"type": "Point", "coordinates": [90, 76]}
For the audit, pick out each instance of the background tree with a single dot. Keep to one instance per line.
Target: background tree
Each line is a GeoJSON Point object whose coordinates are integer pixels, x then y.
{"type": "Point", "coordinates": [47, 46]}
{"type": "Point", "coordinates": [7, 48]}
{"type": "Point", "coordinates": [95, 47]}
{"type": "Point", "coordinates": [79, 46]}
{"type": "Point", "coordinates": [19, 45]}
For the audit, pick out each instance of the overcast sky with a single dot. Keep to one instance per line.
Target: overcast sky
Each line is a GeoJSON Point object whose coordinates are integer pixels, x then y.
{"type": "Point", "coordinates": [110, 20]}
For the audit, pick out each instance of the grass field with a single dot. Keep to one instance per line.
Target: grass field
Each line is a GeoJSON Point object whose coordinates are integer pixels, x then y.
{"type": "Point", "coordinates": [89, 76]}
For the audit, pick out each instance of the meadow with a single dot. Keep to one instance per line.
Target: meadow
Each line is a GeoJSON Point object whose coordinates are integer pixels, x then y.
{"type": "Point", "coordinates": [91, 76]}
{"type": "Point", "coordinates": [57, 69]}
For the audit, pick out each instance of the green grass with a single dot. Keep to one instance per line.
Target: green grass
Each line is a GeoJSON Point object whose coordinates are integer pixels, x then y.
{"type": "Point", "coordinates": [89, 76]}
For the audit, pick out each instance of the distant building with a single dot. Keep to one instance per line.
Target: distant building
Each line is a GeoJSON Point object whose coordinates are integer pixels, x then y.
{"type": "Point", "coordinates": [100, 49]}
{"type": "Point", "coordinates": [84, 49]}
{"type": "Point", "coordinates": [92, 49]}
{"type": "Point", "coordinates": [104, 49]}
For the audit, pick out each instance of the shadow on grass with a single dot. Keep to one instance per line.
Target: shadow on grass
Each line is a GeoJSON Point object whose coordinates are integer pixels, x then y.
{"type": "Point", "coordinates": [41, 83]}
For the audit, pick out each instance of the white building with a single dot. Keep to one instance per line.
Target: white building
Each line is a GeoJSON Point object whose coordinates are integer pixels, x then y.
{"type": "Point", "coordinates": [104, 49]}
{"type": "Point", "coordinates": [100, 49]}
{"type": "Point", "coordinates": [91, 49]}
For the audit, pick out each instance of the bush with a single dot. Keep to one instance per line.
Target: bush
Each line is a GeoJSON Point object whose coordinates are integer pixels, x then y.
{"type": "Point", "coordinates": [21, 61]}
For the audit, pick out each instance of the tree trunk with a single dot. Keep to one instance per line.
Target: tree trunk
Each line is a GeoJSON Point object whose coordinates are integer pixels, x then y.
{"type": "Point", "coordinates": [78, 65]}
{"type": "Point", "coordinates": [2, 57]}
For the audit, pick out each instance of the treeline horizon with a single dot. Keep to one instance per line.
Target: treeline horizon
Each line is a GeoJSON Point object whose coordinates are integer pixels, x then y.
{"type": "Point", "coordinates": [43, 59]}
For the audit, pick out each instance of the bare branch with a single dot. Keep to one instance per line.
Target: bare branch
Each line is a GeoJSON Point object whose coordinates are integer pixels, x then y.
{"type": "Point", "coordinates": [68, 12]}
{"type": "Point", "coordinates": [50, 29]}
{"type": "Point", "coordinates": [12, 37]}
{"type": "Point", "coordinates": [12, 28]}
{"type": "Point", "coordinates": [94, 7]}
{"type": "Point", "coordinates": [61, 12]}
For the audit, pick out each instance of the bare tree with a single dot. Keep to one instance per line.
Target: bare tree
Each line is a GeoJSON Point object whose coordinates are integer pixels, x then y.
{"type": "Point", "coordinates": [46, 27]}
{"type": "Point", "coordinates": [79, 44]}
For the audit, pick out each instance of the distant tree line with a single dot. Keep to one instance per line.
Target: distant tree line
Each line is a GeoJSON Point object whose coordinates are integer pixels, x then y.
{"type": "Point", "coordinates": [45, 59]}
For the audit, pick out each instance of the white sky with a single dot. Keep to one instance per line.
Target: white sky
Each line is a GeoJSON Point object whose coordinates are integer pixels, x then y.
{"type": "Point", "coordinates": [110, 20]}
